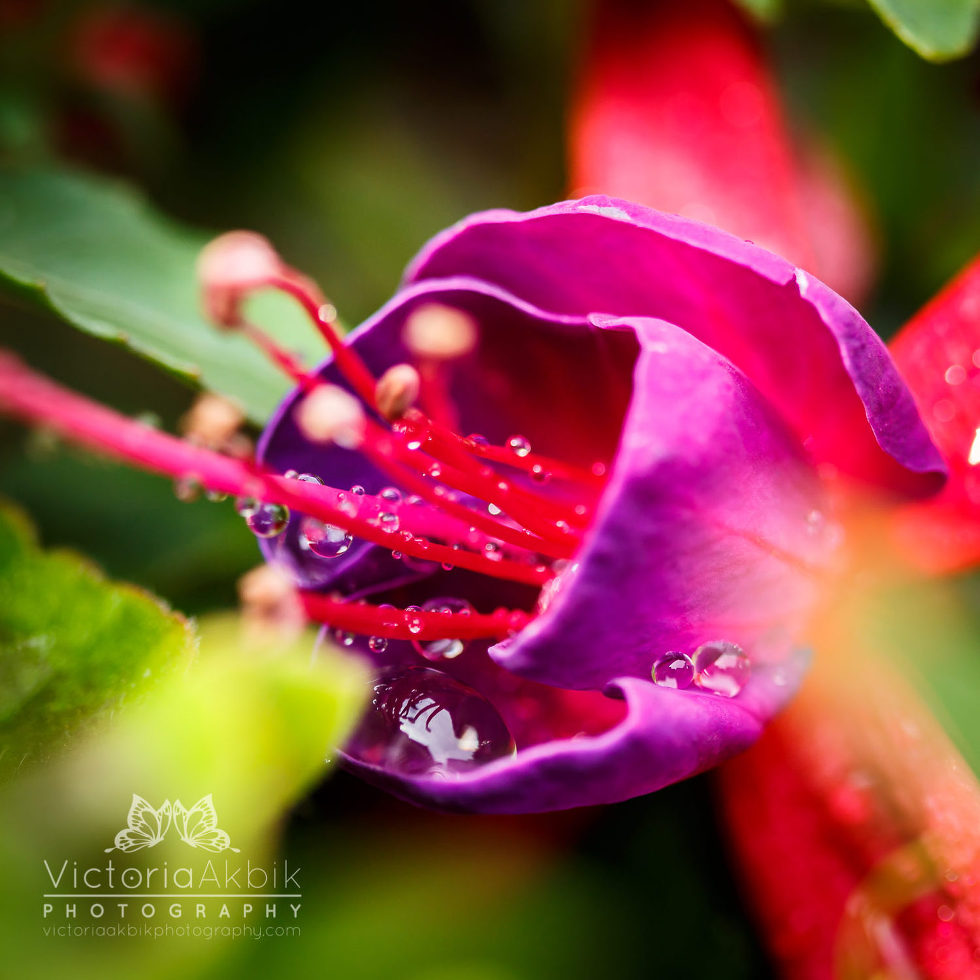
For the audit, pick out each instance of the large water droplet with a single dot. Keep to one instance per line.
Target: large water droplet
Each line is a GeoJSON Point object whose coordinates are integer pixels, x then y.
{"type": "Point", "coordinates": [447, 648]}
{"type": "Point", "coordinates": [674, 670]}
{"type": "Point", "coordinates": [519, 445]}
{"type": "Point", "coordinates": [721, 667]}
{"type": "Point", "coordinates": [423, 722]}
{"type": "Point", "coordinates": [324, 540]}
{"type": "Point", "coordinates": [267, 520]}
{"type": "Point", "coordinates": [388, 520]}
{"type": "Point", "coordinates": [414, 623]}
{"type": "Point", "coordinates": [378, 644]}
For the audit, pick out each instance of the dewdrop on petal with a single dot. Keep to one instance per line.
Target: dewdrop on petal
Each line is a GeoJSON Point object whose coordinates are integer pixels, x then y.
{"type": "Point", "coordinates": [230, 266]}
{"type": "Point", "coordinates": [439, 333]}
{"type": "Point", "coordinates": [330, 414]}
{"type": "Point", "coordinates": [397, 390]}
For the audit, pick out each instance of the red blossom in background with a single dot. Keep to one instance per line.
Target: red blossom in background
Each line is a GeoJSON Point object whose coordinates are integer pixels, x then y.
{"type": "Point", "coordinates": [854, 819]}
{"type": "Point", "coordinates": [676, 109]}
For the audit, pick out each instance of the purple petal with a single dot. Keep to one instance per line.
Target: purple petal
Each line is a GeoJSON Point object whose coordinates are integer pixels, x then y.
{"type": "Point", "coordinates": [666, 736]}
{"type": "Point", "coordinates": [710, 528]}
{"type": "Point", "coordinates": [803, 347]}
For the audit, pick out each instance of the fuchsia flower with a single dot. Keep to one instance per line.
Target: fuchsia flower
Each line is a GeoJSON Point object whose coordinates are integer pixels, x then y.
{"type": "Point", "coordinates": [584, 561]}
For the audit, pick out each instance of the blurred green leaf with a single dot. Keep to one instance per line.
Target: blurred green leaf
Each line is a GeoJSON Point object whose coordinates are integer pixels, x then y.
{"type": "Point", "coordinates": [251, 723]}
{"type": "Point", "coordinates": [936, 29]}
{"type": "Point", "coordinates": [95, 253]}
{"type": "Point", "coordinates": [762, 9]}
{"type": "Point", "coordinates": [73, 647]}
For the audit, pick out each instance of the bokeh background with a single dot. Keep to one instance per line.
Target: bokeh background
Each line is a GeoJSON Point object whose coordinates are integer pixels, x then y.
{"type": "Point", "coordinates": [349, 134]}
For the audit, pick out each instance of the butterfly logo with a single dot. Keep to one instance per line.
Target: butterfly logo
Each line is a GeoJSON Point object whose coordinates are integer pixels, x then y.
{"type": "Point", "coordinates": [198, 826]}
{"type": "Point", "coordinates": [147, 827]}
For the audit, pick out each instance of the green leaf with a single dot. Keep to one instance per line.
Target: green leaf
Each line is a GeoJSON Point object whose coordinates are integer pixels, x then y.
{"type": "Point", "coordinates": [73, 647]}
{"type": "Point", "coordinates": [764, 10]}
{"type": "Point", "coordinates": [937, 29]}
{"type": "Point", "coordinates": [95, 253]}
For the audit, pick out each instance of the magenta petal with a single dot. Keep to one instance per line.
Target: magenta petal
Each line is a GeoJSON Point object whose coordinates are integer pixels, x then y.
{"type": "Point", "coordinates": [666, 736]}
{"type": "Point", "coordinates": [711, 527]}
{"type": "Point", "coordinates": [802, 346]}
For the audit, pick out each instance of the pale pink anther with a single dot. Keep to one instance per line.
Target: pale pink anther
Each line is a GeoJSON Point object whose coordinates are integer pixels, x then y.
{"type": "Point", "coordinates": [397, 390]}
{"type": "Point", "coordinates": [330, 414]}
{"type": "Point", "coordinates": [229, 268]}
{"type": "Point", "coordinates": [439, 333]}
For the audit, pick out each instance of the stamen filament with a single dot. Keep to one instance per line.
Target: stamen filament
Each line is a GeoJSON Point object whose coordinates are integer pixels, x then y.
{"type": "Point", "coordinates": [348, 361]}
{"type": "Point", "coordinates": [406, 624]}
{"type": "Point", "coordinates": [404, 465]}
{"type": "Point", "coordinates": [32, 397]}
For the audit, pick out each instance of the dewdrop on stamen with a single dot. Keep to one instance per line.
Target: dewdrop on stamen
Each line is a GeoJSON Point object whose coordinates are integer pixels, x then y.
{"type": "Point", "coordinates": [330, 414]}
{"type": "Point", "coordinates": [397, 391]}
{"type": "Point", "coordinates": [439, 333]}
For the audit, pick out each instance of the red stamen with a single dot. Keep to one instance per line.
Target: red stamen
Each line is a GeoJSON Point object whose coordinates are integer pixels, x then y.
{"type": "Point", "coordinates": [391, 454]}
{"type": "Point", "coordinates": [544, 517]}
{"type": "Point", "coordinates": [324, 318]}
{"type": "Point", "coordinates": [32, 397]}
{"type": "Point", "coordinates": [406, 624]}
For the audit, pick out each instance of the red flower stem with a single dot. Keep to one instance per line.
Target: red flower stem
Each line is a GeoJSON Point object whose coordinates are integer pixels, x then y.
{"type": "Point", "coordinates": [34, 398]}
{"type": "Point", "coordinates": [286, 362]}
{"type": "Point", "coordinates": [348, 360]}
{"type": "Point", "coordinates": [403, 624]}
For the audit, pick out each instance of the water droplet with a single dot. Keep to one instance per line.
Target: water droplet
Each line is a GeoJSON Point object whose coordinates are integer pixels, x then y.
{"type": "Point", "coordinates": [344, 638]}
{"type": "Point", "coordinates": [388, 522]}
{"type": "Point", "coordinates": [378, 644]}
{"type": "Point", "coordinates": [721, 667]}
{"type": "Point", "coordinates": [389, 617]}
{"type": "Point", "coordinates": [357, 489]}
{"type": "Point", "coordinates": [246, 505]}
{"type": "Point", "coordinates": [493, 510]}
{"type": "Point", "coordinates": [423, 722]}
{"type": "Point", "coordinates": [479, 440]}
{"type": "Point", "coordinates": [414, 622]}
{"type": "Point", "coordinates": [267, 520]}
{"type": "Point", "coordinates": [215, 496]}
{"type": "Point", "coordinates": [305, 477]}
{"type": "Point", "coordinates": [955, 374]}
{"type": "Point", "coordinates": [492, 552]}
{"type": "Point", "coordinates": [447, 648]}
{"type": "Point", "coordinates": [539, 474]}
{"type": "Point", "coordinates": [324, 540]}
{"type": "Point", "coordinates": [187, 489]}
{"type": "Point", "coordinates": [391, 494]}
{"type": "Point", "coordinates": [599, 469]}
{"type": "Point", "coordinates": [519, 445]}
{"type": "Point", "coordinates": [674, 670]}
